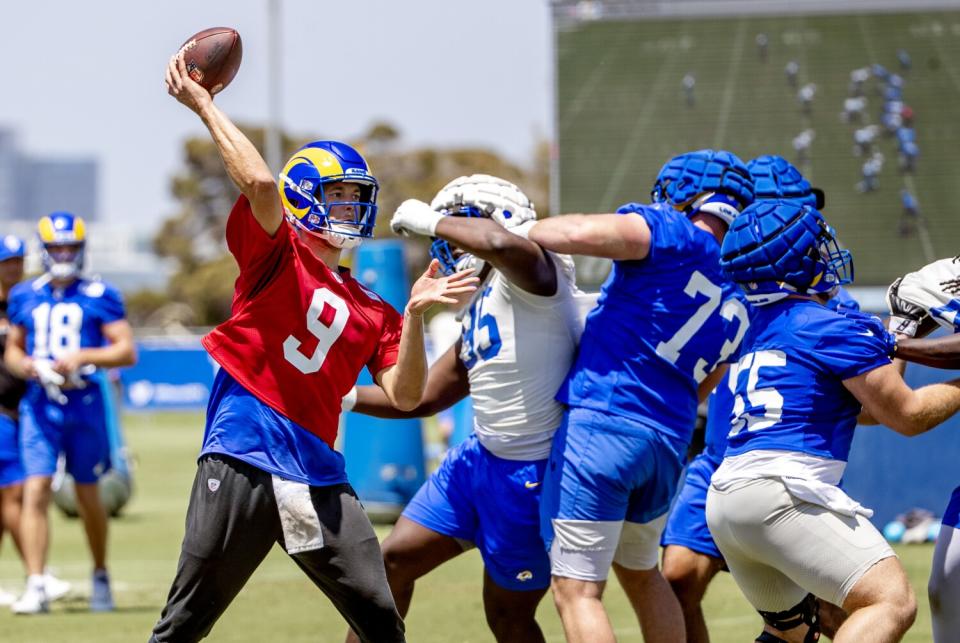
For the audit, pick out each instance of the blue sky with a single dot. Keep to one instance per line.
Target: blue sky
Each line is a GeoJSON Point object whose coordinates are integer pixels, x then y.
{"type": "Point", "coordinates": [86, 79]}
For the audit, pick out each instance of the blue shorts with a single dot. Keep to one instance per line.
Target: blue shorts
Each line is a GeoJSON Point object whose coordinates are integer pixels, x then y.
{"type": "Point", "coordinates": [78, 429]}
{"type": "Point", "coordinates": [687, 525]}
{"type": "Point", "coordinates": [11, 468]}
{"type": "Point", "coordinates": [495, 504]}
{"type": "Point", "coordinates": [951, 517]}
{"type": "Point", "coordinates": [608, 468]}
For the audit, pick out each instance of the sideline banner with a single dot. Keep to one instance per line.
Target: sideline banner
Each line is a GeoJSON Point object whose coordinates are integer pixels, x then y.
{"type": "Point", "coordinates": [173, 373]}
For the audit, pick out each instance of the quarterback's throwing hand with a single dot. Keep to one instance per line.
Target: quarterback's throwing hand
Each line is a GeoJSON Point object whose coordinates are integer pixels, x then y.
{"type": "Point", "coordinates": [415, 217]}
{"type": "Point", "coordinates": [430, 289]}
{"type": "Point", "coordinates": [182, 87]}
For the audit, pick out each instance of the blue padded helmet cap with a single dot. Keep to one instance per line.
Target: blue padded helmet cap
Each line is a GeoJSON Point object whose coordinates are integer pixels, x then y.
{"type": "Point", "coordinates": [687, 176]}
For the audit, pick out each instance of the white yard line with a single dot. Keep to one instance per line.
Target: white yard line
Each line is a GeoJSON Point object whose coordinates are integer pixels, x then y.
{"type": "Point", "coordinates": [726, 101]}
{"type": "Point", "coordinates": [588, 88]}
{"type": "Point", "coordinates": [637, 132]}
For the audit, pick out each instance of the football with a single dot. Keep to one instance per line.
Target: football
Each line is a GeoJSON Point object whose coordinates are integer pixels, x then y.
{"type": "Point", "coordinates": [213, 57]}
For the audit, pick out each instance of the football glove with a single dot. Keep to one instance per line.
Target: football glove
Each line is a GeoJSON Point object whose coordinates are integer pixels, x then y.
{"type": "Point", "coordinates": [415, 217]}
{"type": "Point", "coordinates": [501, 200]}
{"type": "Point", "coordinates": [50, 380]}
{"type": "Point", "coordinates": [905, 316]}
{"type": "Point", "coordinates": [935, 288]}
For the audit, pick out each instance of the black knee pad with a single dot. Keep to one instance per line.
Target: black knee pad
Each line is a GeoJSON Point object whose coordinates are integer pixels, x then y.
{"type": "Point", "coordinates": [806, 612]}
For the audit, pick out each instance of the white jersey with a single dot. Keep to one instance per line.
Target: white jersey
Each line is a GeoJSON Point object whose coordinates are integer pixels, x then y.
{"type": "Point", "coordinates": [517, 348]}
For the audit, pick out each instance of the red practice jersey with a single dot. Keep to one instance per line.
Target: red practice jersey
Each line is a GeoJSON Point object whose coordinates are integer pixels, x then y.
{"type": "Point", "coordinates": [299, 333]}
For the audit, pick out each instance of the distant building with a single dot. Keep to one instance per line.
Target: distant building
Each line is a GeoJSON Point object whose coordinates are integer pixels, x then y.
{"type": "Point", "coordinates": [31, 187]}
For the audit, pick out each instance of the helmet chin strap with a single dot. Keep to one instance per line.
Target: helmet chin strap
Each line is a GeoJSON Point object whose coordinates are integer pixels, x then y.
{"type": "Point", "coordinates": [331, 235]}
{"type": "Point", "coordinates": [338, 240]}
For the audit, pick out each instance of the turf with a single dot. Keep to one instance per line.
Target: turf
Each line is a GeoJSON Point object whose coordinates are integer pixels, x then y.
{"type": "Point", "coordinates": [279, 604]}
{"type": "Point", "coordinates": [621, 113]}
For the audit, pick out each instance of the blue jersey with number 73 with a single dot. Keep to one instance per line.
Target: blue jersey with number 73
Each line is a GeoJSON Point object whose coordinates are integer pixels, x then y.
{"type": "Point", "coordinates": [661, 325]}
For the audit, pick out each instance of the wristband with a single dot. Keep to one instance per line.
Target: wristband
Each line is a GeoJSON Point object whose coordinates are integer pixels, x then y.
{"type": "Point", "coordinates": [349, 400]}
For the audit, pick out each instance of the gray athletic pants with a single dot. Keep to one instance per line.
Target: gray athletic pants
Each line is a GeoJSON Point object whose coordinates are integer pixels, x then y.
{"type": "Point", "coordinates": [234, 519]}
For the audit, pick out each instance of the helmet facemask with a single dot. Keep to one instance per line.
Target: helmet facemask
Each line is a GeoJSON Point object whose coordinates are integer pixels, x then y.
{"type": "Point", "coordinates": [339, 233]}
{"type": "Point", "coordinates": [837, 263]}
{"type": "Point", "coordinates": [63, 261]}
{"type": "Point", "coordinates": [451, 258]}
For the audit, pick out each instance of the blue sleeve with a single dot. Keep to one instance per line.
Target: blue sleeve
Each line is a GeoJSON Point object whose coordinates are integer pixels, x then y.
{"type": "Point", "coordinates": [843, 301]}
{"type": "Point", "coordinates": [853, 344]}
{"type": "Point", "coordinates": [110, 305]}
{"type": "Point", "coordinates": [17, 305]}
{"type": "Point", "coordinates": [669, 232]}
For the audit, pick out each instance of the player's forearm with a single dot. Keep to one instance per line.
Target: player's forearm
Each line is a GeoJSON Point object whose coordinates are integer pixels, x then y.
{"type": "Point", "coordinates": [483, 238]}
{"type": "Point", "coordinates": [16, 361]}
{"type": "Point", "coordinates": [112, 356]}
{"type": "Point", "coordinates": [595, 235]}
{"type": "Point", "coordinates": [943, 352]}
{"type": "Point", "coordinates": [243, 162]}
{"type": "Point", "coordinates": [371, 400]}
{"type": "Point", "coordinates": [407, 380]}
{"type": "Point", "coordinates": [928, 407]}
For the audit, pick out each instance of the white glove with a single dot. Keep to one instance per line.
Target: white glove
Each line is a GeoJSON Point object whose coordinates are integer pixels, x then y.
{"type": "Point", "coordinates": [933, 288]}
{"type": "Point", "coordinates": [349, 400]}
{"type": "Point", "coordinates": [501, 200]}
{"type": "Point", "coordinates": [905, 316]}
{"type": "Point", "coordinates": [415, 217]}
{"type": "Point", "coordinates": [50, 380]}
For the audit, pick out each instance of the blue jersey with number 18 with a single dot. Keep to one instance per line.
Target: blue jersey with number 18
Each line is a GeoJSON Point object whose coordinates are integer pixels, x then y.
{"type": "Point", "coordinates": [660, 326]}
{"type": "Point", "coordinates": [58, 321]}
{"type": "Point", "coordinates": [789, 393]}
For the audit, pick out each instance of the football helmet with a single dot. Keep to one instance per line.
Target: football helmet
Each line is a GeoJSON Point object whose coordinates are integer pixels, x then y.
{"type": "Point", "coordinates": [63, 237]}
{"type": "Point", "coordinates": [777, 248]}
{"type": "Point", "coordinates": [714, 182]}
{"type": "Point", "coordinates": [302, 191]}
{"type": "Point", "coordinates": [774, 177]}
{"type": "Point", "coordinates": [479, 195]}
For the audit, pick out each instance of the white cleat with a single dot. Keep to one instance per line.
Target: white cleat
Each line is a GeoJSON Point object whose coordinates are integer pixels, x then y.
{"type": "Point", "coordinates": [101, 599]}
{"type": "Point", "coordinates": [55, 587]}
{"type": "Point", "coordinates": [33, 601]}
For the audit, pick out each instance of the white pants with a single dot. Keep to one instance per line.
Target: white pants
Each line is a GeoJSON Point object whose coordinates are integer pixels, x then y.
{"type": "Point", "coordinates": [944, 587]}
{"type": "Point", "coordinates": [779, 548]}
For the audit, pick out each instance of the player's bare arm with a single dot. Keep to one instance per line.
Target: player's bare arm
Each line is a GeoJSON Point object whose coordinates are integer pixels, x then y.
{"type": "Point", "coordinates": [942, 352]}
{"type": "Point", "coordinates": [244, 164]}
{"type": "Point", "coordinates": [404, 382]}
{"type": "Point", "coordinates": [887, 399]}
{"type": "Point", "coordinates": [522, 261]}
{"type": "Point", "coordinates": [613, 236]}
{"type": "Point", "coordinates": [707, 385]}
{"type": "Point", "coordinates": [15, 357]}
{"type": "Point", "coordinates": [447, 384]}
{"type": "Point", "coordinates": [119, 351]}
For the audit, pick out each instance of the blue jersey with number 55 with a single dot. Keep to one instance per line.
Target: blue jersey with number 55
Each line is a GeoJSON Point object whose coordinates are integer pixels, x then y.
{"type": "Point", "coordinates": [59, 321]}
{"type": "Point", "coordinates": [789, 392]}
{"type": "Point", "coordinates": [660, 326]}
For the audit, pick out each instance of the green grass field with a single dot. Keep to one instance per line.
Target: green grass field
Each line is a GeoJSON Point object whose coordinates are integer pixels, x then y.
{"type": "Point", "coordinates": [279, 604]}
{"type": "Point", "coordinates": [621, 113]}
